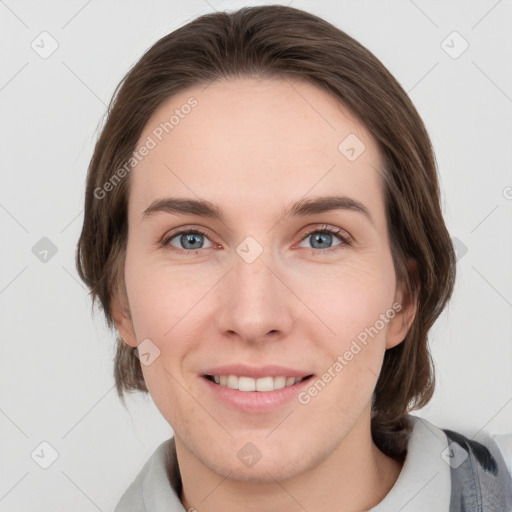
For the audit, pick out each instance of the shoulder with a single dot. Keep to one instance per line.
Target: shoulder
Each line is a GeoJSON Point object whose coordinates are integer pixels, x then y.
{"type": "Point", "coordinates": [449, 471]}
{"type": "Point", "coordinates": [480, 478]}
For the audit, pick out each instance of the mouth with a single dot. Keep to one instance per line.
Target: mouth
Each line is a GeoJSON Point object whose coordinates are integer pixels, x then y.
{"type": "Point", "coordinates": [254, 389]}
{"type": "Point", "coordinates": [262, 384]}
{"type": "Point", "coordinates": [259, 394]}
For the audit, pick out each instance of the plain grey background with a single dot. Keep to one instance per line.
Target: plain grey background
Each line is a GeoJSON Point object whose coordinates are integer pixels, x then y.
{"type": "Point", "coordinates": [60, 63]}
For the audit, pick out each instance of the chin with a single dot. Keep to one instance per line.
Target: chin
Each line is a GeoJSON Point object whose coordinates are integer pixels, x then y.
{"type": "Point", "coordinates": [267, 470]}
{"type": "Point", "coordinates": [262, 461]}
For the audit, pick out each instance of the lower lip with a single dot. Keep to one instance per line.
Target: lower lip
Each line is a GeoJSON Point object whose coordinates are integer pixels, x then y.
{"type": "Point", "coordinates": [256, 401]}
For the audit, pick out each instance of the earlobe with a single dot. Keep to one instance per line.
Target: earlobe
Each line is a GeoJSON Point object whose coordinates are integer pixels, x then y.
{"type": "Point", "coordinates": [401, 323]}
{"type": "Point", "coordinates": [122, 319]}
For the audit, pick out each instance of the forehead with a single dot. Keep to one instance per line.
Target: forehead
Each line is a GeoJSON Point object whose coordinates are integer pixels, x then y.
{"type": "Point", "coordinates": [250, 142]}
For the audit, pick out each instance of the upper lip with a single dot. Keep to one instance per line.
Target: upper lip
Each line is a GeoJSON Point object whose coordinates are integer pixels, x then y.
{"type": "Point", "coordinates": [256, 372]}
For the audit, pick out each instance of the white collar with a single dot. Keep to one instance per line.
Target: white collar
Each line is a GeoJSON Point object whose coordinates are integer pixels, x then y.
{"type": "Point", "coordinates": [424, 484]}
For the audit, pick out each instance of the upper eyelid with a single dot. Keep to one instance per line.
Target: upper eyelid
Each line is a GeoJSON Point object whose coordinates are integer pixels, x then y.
{"type": "Point", "coordinates": [184, 230]}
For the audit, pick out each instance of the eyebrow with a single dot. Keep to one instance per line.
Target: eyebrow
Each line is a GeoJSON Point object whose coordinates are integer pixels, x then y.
{"type": "Point", "coordinates": [302, 208]}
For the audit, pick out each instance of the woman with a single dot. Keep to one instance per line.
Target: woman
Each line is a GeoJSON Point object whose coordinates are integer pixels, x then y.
{"type": "Point", "coordinates": [263, 228]}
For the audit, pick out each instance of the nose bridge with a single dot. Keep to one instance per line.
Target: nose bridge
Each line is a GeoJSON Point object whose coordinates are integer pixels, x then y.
{"type": "Point", "coordinates": [252, 278]}
{"type": "Point", "coordinates": [254, 302]}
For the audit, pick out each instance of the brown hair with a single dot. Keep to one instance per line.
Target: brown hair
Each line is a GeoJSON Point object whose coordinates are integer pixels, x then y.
{"type": "Point", "coordinates": [278, 41]}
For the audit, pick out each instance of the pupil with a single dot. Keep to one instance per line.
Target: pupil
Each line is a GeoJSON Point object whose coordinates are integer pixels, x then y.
{"type": "Point", "coordinates": [191, 238]}
{"type": "Point", "coordinates": [318, 238]}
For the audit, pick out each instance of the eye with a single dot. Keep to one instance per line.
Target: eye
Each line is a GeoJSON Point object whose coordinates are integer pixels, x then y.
{"type": "Point", "coordinates": [187, 240]}
{"type": "Point", "coordinates": [322, 238]}
{"type": "Point", "coordinates": [190, 241]}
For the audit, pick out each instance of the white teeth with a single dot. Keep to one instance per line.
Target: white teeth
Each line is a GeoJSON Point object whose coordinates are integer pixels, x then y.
{"type": "Point", "coordinates": [250, 384]}
{"type": "Point", "coordinates": [290, 381]}
{"type": "Point", "coordinates": [246, 384]}
{"type": "Point", "coordinates": [232, 382]}
{"type": "Point", "coordinates": [264, 384]}
{"type": "Point", "coordinates": [279, 382]}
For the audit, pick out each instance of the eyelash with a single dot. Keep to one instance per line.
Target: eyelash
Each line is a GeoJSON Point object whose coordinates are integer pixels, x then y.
{"type": "Point", "coordinates": [345, 239]}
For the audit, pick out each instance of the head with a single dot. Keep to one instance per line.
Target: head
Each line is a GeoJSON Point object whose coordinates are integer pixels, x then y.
{"type": "Point", "coordinates": [257, 114]}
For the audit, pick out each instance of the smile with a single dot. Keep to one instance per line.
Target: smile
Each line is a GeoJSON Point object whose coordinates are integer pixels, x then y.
{"type": "Point", "coordinates": [263, 384]}
{"type": "Point", "coordinates": [255, 394]}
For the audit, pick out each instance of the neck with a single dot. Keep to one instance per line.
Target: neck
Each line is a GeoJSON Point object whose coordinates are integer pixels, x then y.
{"type": "Point", "coordinates": [356, 476]}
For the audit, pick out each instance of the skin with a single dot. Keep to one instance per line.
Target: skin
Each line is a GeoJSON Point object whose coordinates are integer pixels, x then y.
{"type": "Point", "coordinates": [252, 147]}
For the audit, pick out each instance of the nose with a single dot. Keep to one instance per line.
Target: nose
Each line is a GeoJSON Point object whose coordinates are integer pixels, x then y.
{"type": "Point", "coordinates": [255, 304]}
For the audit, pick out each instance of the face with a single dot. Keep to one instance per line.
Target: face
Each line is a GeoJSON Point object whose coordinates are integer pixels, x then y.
{"type": "Point", "coordinates": [267, 281]}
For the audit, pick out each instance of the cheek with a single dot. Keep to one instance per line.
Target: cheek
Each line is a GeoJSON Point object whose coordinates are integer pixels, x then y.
{"type": "Point", "coordinates": [160, 295]}
{"type": "Point", "coordinates": [356, 304]}
{"type": "Point", "coordinates": [350, 296]}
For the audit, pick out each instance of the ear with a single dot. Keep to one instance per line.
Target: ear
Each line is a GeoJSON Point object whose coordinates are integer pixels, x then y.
{"type": "Point", "coordinates": [120, 312]}
{"type": "Point", "coordinates": [399, 326]}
